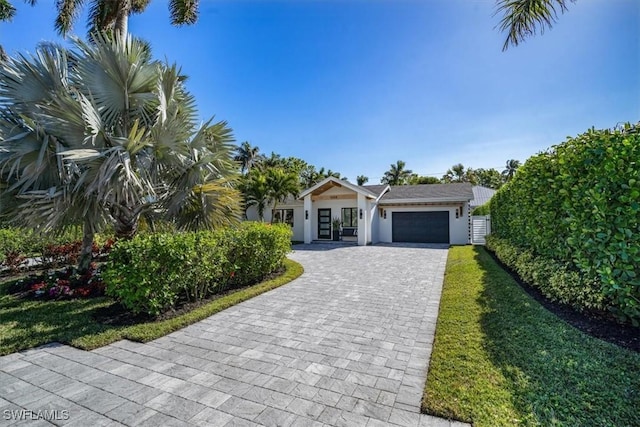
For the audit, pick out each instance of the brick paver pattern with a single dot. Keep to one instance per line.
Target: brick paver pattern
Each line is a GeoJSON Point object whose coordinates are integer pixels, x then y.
{"type": "Point", "coordinates": [346, 344]}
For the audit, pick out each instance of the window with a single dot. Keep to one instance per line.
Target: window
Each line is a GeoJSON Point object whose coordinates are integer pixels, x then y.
{"type": "Point", "coordinates": [349, 217]}
{"type": "Point", "coordinates": [283, 215]}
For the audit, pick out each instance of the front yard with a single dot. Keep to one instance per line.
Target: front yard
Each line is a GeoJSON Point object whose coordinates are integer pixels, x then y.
{"type": "Point", "coordinates": [501, 359]}
{"type": "Point", "coordinates": [26, 323]}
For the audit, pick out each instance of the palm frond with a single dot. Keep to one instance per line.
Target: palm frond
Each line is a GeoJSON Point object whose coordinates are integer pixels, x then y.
{"type": "Point", "coordinates": [523, 18]}
{"type": "Point", "coordinates": [7, 11]}
{"type": "Point", "coordinates": [183, 11]}
{"type": "Point", "coordinates": [68, 12]}
{"type": "Point", "coordinates": [33, 79]}
{"type": "Point", "coordinates": [210, 205]}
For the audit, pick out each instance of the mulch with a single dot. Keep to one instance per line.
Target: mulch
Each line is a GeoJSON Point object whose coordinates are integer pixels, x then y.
{"type": "Point", "coordinates": [117, 315]}
{"type": "Point", "coordinates": [601, 325]}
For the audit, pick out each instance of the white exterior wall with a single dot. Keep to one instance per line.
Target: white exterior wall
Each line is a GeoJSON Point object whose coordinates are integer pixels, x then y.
{"type": "Point", "coordinates": [336, 211]}
{"type": "Point", "coordinates": [298, 218]}
{"type": "Point", "coordinates": [375, 222]}
{"type": "Point", "coordinates": [458, 227]}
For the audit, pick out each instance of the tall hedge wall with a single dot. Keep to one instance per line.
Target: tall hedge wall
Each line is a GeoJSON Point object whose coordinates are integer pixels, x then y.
{"type": "Point", "coordinates": [579, 202]}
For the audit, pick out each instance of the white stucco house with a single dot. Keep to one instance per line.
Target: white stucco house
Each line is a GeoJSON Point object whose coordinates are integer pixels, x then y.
{"type": "Point", "coordinates": [432, 213]}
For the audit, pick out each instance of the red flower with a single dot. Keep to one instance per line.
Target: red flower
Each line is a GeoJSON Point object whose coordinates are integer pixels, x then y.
{"type": "Point", "coordinates": [38, 286]}
{"type": "Point", "coordinates": [83, 292]}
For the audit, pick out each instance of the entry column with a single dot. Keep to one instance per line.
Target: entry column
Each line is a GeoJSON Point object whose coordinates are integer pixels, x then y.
{"type": "Point", "coordinates": [307, 218]}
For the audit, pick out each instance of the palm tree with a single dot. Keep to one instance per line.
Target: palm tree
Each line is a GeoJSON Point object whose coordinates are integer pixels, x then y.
{"type": "Point", "coordinates": [281, 184]}
{"type": "Point", "coordinates": [256, 191]}
{"type": "Point", "coordinates": [362, 180]}
{"type": "Point", "coordinates": [397, 174]}
{"type": "Point", "coordinates": [458, 173]}
{"type": "Point", "coordinates": [79, 144]}
{"type": "Point", "coordinates": [521, 18]}
{"type": "Point", "coordinates": [113, 15]}
{"type": "Point", "coordinates": [248, 156]}
{"type": "Point", "coordinates": [510, 169]}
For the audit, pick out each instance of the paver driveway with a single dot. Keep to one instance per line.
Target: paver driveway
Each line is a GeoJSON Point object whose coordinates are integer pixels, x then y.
{"type": "Point", "coordinates": [348, 343]}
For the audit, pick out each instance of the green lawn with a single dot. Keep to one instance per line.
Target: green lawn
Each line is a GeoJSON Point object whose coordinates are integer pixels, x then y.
{"type": "Point", "coordinates": [501, 359]}
{"type": "Point", "coordinates": [25, 324]}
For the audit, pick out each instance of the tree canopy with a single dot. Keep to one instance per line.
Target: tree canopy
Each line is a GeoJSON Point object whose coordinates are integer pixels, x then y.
{"type": "Point", "coordinates": [103, 134]}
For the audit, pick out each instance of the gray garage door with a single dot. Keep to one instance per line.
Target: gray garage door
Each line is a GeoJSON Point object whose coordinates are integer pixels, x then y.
{"type": "Point", "coordinates": [420, 227]}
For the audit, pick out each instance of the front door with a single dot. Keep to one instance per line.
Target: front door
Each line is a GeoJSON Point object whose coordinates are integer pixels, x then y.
{"type": "Point", "coordinates": [324, 223]}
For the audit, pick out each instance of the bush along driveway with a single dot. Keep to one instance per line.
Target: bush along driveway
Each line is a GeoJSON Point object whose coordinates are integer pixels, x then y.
{"type": "Point", "coordinates": [346, 344]}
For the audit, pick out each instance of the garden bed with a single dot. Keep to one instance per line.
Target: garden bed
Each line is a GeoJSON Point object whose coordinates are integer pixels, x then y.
{"type": "Point", "coordinates": [26, 323]}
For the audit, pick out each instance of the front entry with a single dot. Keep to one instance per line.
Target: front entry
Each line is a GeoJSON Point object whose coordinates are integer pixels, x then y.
{"type": "Point", "coordinates": [324, 223]}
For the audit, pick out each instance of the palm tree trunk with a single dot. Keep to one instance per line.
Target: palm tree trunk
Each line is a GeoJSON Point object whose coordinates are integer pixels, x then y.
{"type": "Point", "coordinates": [273, 209]}
{"type": "Point", "coordinates": [126, 222]}
{"type": "Point", "coordinates": [84, 260]}
{"type": "Point", "coordinates": [260, 209]}
{"type": "Point", "coordinates": [121, 25]}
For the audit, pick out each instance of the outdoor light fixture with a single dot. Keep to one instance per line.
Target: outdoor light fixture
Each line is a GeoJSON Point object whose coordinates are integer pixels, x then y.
{"type": "Point", "coordinates": [385, 214]}
{"type": "Point", "coordinates": [306, 214]}
{"type": "Point", "coordinates": [360, 213]}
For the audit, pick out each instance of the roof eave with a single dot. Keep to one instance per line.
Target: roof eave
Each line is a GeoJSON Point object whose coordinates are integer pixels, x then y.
{"type": "Point", "coordinates": [426, 200]}
{"type": "Point", "coordinates": [346, 184]}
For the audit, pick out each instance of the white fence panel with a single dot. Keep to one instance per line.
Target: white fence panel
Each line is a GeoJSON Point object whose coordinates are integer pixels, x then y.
{"type": "Point", "coordinates": [480, 227]}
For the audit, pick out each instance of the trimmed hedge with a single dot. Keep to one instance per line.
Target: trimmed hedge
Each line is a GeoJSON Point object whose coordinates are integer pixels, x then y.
{"type": "Point", "coordinates": [558, 281]}
{"type": "Point", "coordinates": [152, 273]}
{"type": "Point", "coordinates": [579, 205]}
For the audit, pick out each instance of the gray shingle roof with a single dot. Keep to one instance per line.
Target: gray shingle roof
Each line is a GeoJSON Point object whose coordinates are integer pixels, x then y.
{"type": "Point", "coordinates": [375, 189]}
{"type": "Point", "coordinates": [447, 192]}
{"type": "Point", "coordinates": [481, 195]}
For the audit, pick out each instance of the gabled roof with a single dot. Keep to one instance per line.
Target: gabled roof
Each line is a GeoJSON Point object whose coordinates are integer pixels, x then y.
{"type": "Point", "coordinates": [481, 195]}
{"type": "Point", "coordinates": [457, 192]}
{"type": "Point", "coordinates": [331, 181]}
{"type": "Point", "coordinates": [376, 189]}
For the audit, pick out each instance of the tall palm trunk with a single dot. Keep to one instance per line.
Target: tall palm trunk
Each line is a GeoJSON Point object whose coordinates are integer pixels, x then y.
{"type": "Point", "coordinates": [121, 25]}
{"type": "Point", "coordinates": [84, 260]}
{"type": "Point", "coordinates": [273, 209]}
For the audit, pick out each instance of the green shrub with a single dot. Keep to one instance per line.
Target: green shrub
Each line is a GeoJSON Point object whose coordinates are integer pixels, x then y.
{"type": "Point", "coordinates": [152, 272]}
{"type": "Point", "coordinates": [579, 204]}
{"type": "Point", "coordinates": [557, 281]}
{"type": "Point", "coordinates": [482, 210]}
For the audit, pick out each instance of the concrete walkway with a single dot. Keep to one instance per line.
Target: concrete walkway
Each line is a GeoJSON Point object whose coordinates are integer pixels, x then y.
{"type": "Point", "coordinates": [347, 344]}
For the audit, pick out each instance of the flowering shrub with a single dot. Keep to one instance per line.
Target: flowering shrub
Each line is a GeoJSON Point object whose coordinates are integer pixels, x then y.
{"type": "Point", "coordinates": [16, 245]}
{"type": "Point", "coordinates": [64, 284]}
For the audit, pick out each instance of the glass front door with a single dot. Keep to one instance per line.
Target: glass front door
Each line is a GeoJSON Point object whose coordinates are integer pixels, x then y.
{"type": "Point", "coordinates": [324, 223]}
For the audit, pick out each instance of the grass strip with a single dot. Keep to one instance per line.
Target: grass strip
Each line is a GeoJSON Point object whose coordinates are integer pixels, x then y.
{"type": "Point", "coordinates": [501, 359]}
{"type": "Point", "coordinates": [25, 323]}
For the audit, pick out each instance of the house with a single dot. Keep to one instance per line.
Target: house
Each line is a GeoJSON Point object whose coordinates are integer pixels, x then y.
{"type": "Point", "coordinates": [431, 213]}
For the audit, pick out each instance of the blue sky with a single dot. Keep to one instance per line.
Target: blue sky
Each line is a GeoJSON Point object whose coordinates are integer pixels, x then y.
{"type": "Point", "coordinates": [354, 85]}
